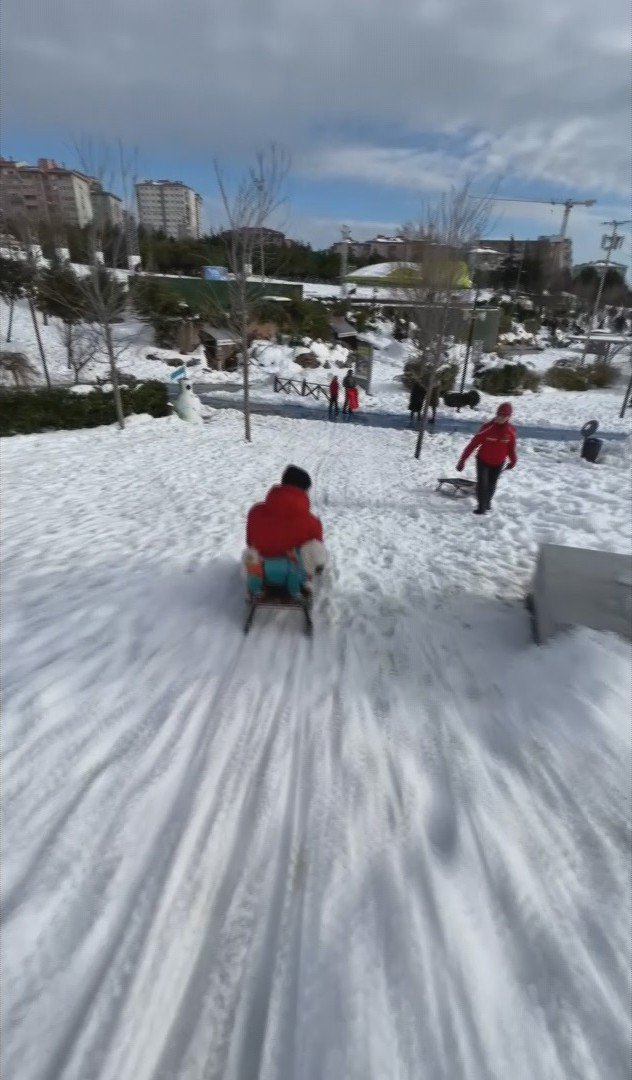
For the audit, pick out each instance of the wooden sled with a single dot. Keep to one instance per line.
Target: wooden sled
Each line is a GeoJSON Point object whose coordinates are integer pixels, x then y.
{"type": "Point", "coordinates": [456, 485]}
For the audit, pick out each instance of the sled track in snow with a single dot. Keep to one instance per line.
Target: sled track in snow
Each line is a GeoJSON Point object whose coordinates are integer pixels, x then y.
{"type": "Point", "coordinates": [283, 859]}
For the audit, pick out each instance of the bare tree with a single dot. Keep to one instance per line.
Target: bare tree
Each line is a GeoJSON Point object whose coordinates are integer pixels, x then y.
{"type": "Point", "coordinates": [14, 278]}
{"type": "Point", "coordinates": [19, 367]}
{"type": "Point", "coordinates": [448, 229]}
{"type": "Point", "coordinates": [27, 253]}
{"type": "Point", "coordinates": [248, 209]}
{"type": "Point", "coordinates": [104, 297]}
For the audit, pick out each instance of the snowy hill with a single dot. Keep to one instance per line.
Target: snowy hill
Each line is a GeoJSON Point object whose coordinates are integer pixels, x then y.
{"type": "Point", "coordinates": [400, 851]}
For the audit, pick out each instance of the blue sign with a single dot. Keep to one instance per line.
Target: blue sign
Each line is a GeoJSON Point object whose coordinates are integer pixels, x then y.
{"type": "Point", "coordinates": [179, 373]}
{"type": "Point", "coordinates": [215, 273]}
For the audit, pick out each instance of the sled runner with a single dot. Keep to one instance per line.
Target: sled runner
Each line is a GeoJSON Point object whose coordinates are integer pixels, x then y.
{"type": "Point", "coordinates": [456, 485]}
{"type": "Point", "coordinates": [277, 596]}
{"type": "Point", "coordinates": [280, 583]}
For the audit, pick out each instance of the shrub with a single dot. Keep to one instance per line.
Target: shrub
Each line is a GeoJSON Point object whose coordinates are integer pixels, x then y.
{"type": "Point", "coordinates": [310, 319]}
{"type": "Point", "coordinates": [508, 379]}
{"type": "Point", "coordinates": [532, 324]}
{"type": "Point", "coordinates": [567, 378]}
{"type": "Point", "coordinates": [602, 374]}
{"type": "Point", "coordinates": [570, 376]}
{"type": "Point", "coordinates": [531, 380]}
{"type": "Point", "coordinates": [23, 412]}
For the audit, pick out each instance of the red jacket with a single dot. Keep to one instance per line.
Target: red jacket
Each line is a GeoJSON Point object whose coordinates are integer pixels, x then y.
{"type": "Point", "coordinates": [284, 521]}
{"type": "Point", "coordinates": [494, 442]}
{"type": "Point", "coordinates": [334, 389]}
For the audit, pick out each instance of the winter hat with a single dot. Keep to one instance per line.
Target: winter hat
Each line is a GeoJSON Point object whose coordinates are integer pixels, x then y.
{"type": "Point", "coordinates": [504, 410]}
{"type": "Point", "coordinates": [295, 477]}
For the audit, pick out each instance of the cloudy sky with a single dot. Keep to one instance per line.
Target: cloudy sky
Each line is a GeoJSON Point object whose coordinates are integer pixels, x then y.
{"type": "Point", "coordinates": [381, 103]}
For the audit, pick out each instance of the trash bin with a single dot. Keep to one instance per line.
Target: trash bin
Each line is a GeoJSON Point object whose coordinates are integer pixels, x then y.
{"type": "Point", "coordinates": [591, 449]}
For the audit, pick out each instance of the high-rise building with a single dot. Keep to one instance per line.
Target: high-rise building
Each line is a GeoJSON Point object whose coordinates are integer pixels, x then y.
{"type": "Point", "coordinates": [170, 207]}
{"type": "Point", "coordinates": [44, 193]}
{"type": "Point", "coordinates": [107, 208]}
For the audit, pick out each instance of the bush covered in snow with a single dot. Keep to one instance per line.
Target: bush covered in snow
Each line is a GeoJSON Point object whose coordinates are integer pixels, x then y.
{"type": "Point", "coordinates": [23, 412]}
{"type": "Point", "coordinates": [495, 375]}
{"type": "Point", "coordinates": [597, 376]}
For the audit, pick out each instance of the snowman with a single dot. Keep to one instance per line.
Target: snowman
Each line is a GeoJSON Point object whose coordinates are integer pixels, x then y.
{"type": "Point", "coordinates": [187, 404]}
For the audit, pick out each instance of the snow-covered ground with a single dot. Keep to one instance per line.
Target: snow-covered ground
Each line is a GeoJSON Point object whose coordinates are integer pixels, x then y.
{"type": "Point", "coordinates": [398, 851]}
{"type": "Point", "coordinates": [547, 407]}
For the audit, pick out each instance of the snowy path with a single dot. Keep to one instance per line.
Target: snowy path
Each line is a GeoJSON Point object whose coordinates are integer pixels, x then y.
{"type": "Point", "coordinates": [400, 421]}
{"type": "Point", "coordinates": [398, 851]}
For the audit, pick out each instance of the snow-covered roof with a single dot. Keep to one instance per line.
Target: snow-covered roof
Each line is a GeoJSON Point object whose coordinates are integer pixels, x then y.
{"type": "Point", "coordinates": [384, 269]}
{"type": "Point", "coordinates": [221, 335]}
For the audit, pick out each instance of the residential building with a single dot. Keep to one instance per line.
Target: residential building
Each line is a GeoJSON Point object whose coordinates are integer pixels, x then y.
{"type": "Point", "coordinates": [554, 252]}
{"type": "Point", "coordinates": [389, 248]}
{"type": "Point", "coordinates": [170, 207]}
{"type": "Point", "coordinates": [107, 208]}
{"type": "Point", "coordinates": [620, 269]}
{"type": "Point", "coordinates": [269, 237]}
{"type": "Point", "coordinates": [45, 193]}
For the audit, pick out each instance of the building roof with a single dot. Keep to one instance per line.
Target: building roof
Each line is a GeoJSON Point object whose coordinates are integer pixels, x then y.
{"type": "Point", "coordinates": [221, 335]}
{"type": "Point", "coordinates": [342, 328]}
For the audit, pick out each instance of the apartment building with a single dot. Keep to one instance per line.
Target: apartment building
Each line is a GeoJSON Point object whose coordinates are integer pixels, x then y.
{"type": "Point", "coordinates": [106, 207]}
{"type": "Point", "coordinates": [45, 193]}
{"type": "Point", "coordinates": [554, 252]}
{"type": "Point", "coordinates": [169, 206]}
{"type": "Point", "coordinates": [389, 248]}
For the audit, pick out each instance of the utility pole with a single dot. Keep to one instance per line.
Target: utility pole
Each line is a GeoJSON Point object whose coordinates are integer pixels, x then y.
{"type": "Point", "coordinates": [609, 243]}
{"type": "Point", "coordinates": [627, 398]}
{"type": "Point", "coordinates": [345, 234]}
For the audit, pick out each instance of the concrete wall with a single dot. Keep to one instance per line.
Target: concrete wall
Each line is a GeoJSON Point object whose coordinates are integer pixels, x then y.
{"type": "Point", "coordinates": [579, 587]}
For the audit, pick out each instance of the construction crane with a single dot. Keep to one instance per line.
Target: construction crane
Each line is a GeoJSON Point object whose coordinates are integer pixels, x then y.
{"type": "Point", "coordinates": [568, 205]}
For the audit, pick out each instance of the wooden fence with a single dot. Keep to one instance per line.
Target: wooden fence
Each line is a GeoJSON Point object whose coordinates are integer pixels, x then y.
{"type": "Point", "coordinates": [302, 387]}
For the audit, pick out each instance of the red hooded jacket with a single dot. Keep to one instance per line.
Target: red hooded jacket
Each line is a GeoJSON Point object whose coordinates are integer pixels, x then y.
{"type": "Point", "coordinates": [284, 521]}
{"type": "Point", "coordinates": [494, 442]}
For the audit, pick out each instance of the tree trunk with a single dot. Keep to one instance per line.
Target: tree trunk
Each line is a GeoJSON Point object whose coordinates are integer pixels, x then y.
{"type": "Point", "coordinates": [627, 398]}
{"type": "Point", "coordinates": [10, 327]}
{"type": "Point", "coordinates": [118, 404]}
{"type": "Point", "coordinates": [423, 423]}
{"type": "Point", "coordinates": [431, 381]}
{"type": "Point", "coordinates": [246, 362]}
{"type": "Point", "coordinates": [69, 356]}
{"type": "Point", "coordinates": [38, 337]}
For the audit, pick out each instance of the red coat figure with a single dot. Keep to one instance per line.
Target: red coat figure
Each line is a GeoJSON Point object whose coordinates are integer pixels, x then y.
{"type": "Point", "coordinates": [284, 521]}
{"type": "Point", "coordinates": [495, 443]}
{"type": "Point", "coordinates": [353, 399]}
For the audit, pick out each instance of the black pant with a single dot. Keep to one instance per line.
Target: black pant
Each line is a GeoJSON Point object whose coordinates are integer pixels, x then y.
{"type": "Point", "coordinates": [486, 480]}
{"type": "Point", "coordinates": [333, 407]}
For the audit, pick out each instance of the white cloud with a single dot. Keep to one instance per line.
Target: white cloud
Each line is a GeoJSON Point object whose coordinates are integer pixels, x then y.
{"type": "Point", "coordinates": [533, 151]}
{"type": "Point", "coordinates": [540, 89]}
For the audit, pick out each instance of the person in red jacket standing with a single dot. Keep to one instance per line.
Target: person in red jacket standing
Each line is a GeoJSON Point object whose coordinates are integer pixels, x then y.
{"type": "Point", "coordinates": [495, 443]}
{"type": "Point", "coordinates": [283, 525]}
